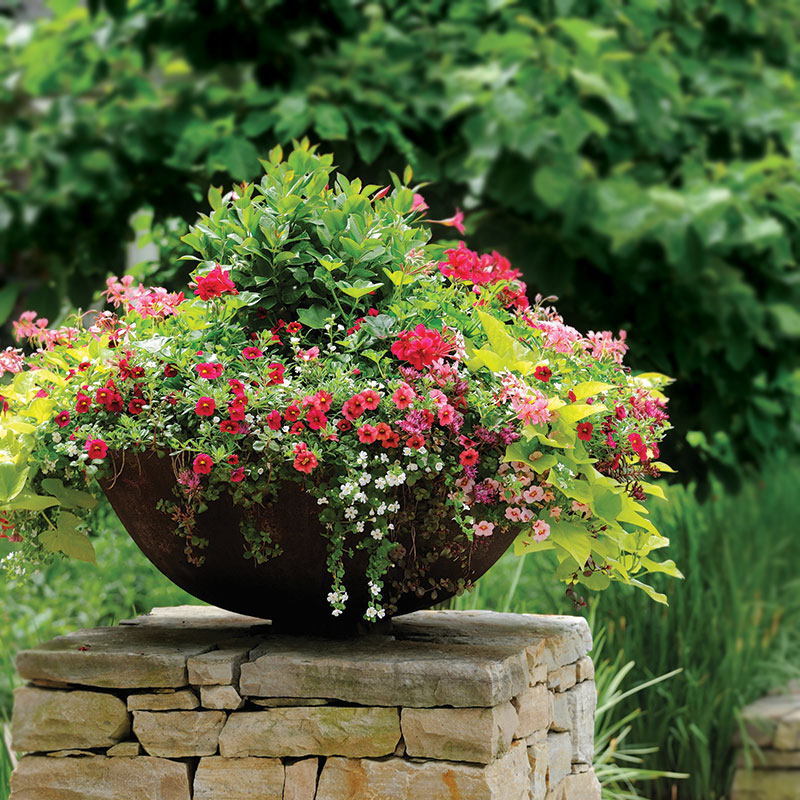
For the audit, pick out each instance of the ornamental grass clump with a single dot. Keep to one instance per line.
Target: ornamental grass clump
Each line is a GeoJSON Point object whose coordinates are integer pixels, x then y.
{"type": "Point", "coordinates": [325, 341]}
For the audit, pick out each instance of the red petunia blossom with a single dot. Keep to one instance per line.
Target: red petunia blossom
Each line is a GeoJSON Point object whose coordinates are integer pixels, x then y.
{"type": "Point", "coordinates": [230, 426]}
{"type": "Point", "coordinates": [298, 427]}
{"type": "Point", "coordinates": [115, 403]}
{"type": "Point", "coordinates": [384, 431]}
{"type": "Point", "coordinates": [446, 414]}
{"type": "Point", "coordinates": [215, 284]}
{"type": "Point", "coordinates": [172, 399]}
{"type": "Point", "coordinates": [638, 446]}
{"type": "Point", "coordinates": [415, 442]}
{"type": "Point", "coordinates": [404, 396]}
{"type": "Point", "coordinates": [96, 448]}
{"type": "Point", "coordinates": [316, 419]}
{"type": "Point", "coordinates": [233, 460]}
{"type": "Point", "coordinates": [421, 346]}
{"type": "Point", "coordinates": [294, 327]}
{"type": "Point", "coordinates": [367, 434]}
{"type": "Point", "coordinates": [392, 440]}
{"type": "Point", "coordinates": [344, 425]}
{"type": "Point", "coordinates": [543, 373]}
{"type": "Point", "coordinates": [571, 395]}
{"type": "Point", "coordinates": [323, 400]}
{"type": "Point", "coordinates": [305, 460]}
{"type": "Point", "coordinates": [62, 419]}
{"type": "Point", "coordinates": [292, 413]}
{"type": "Point", "coordinates": [103, 395]}
{"type": "Point", "coordinates": [202, 464]}
{"type": "Point", "coordinates": [252, 353]}
{"type": "Point", "coordinates": [237, 387]}
{"type": "Point", "coordinates": [136, 406]}
{"type": "Point", "coordinates": [354, 407]}
{"type": "Point", "coordinates": [237, 476]}
{"type": "Point", "coordinates": [276, 371]}
{"type": "Point", "coordinates": [371, 399]}
{"type": "Point", "coordinates": [585, 431]}
{"type": "Point", "coordinates": [209, 370]}
{"type": "Point", "coordinates": [236, 409]}
{"type": "Point", "coordinates": [274, 420]}
{"type": "Point", "coordinates": [468, 457]}
{"type": "Point", "coordinates": [170, 370]}
{"type": "Point", "coordinates": [205, 407]}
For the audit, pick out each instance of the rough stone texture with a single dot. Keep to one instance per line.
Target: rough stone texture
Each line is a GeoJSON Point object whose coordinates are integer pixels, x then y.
{"type": "Point", "coordinates": [100, 778]}
{"type": "Point", "coordinates": [780, 784]}
{"type": "Point", "coordinates": [573, 711]}
{"type": "Point", "coordinates": [564, 640]}
{"type": "Point", "coordinates": [177, 734]}
{"type": "Point", "coordinates": [459, 734]}
{"type": "Point", "coordinates": [220, 666]}
{"type": "Point", "coordinates": [239, 779]}
{"type": "Point", "coordinates": [563, 678]}
{"type": "Point", "coordinates": [787, 734]}
{"type": "Point", "coordinates": [275, 702]}
{"type": "Point", "coordinates": [561, 719]}
{"type": "Point", "coordinates": [184, 700]}
{"type": "Point", "coordinates": [301, 780]}
{"type": "Point", "coordinates": [125, 750]}
{"type": "Point", "coordinates": [767, 759]}
{"type": "Point", "coordinates": [311, 731]}
{"type": "Point", "coordinates": [762, 718]}
{"type": "Point", "coordinates": [582, 786]}
{"type": "Point", "coordinates": [183, 617]}
{"type": "Point", "coordinates": [394, 778]}
{"type": "Point", "coordinates": [220, 697]}
{"type": "Point", "coordinates": [48, 719]}
{"type": "Point", "coordinates": [538, 759]}
{"type": "Point", "coordinates": [534, 709]}
{"type": "Point", "coordinates": [379, 671]}
{"type": "Point", "coordinates": [69, 753]}
{"type": "Point", "coordinates": [585, 669]}
{"type": "Point", "coordinates": [559, 754]}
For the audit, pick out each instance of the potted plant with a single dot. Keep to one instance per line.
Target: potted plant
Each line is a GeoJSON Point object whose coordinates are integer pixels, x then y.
{"type": "Point", "coordinates": [341, 420]}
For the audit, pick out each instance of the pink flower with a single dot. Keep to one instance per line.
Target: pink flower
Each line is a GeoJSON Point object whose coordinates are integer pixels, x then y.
{"type": "Point", "coordinates": [513, 513]}
{"type": "Point", "coordinates": [202, 464]}
{"type": "Point", "coordinates": [419, 203]}
{"type": "Point", "coordinates": [308, 355]}
{"type": "Point", "coordinates": [446, 414]}
{"type": "Point", "coordinates": [96, 448]}
{"type": "Point", "coordinates": [237, 476]}
{"type": "Point", "coordinates": [367, 434]}
{"type": "Point", "coordinates": [456, 221]}
{"type": "Point", "coordinates": [421, 346]}
{"type": "Point", "coordinates": [541, 530]}
{"type": "Point", "coordinates": [371, 399]}
{"type": "Point", "coordinates": [205, 407]}
{"type": "Point", "coordinates": [209, 371]}
{"type": "Point", "coordinates": [555, 512]}
{"type": "Point", "coordinates": [304, 460]}
{"type": "Point", "coordinates": [483, 528]}
{"type": "Point", "coordinates": [354, 407]}
{"type": "Point", "coordinates": [215, 284]}
{"type": "Point", "coordinates": [252, 353]}
{"type": "Point", "coordinates": [534, 494]}
{"type": "Point", "coordinates": [404, 396]}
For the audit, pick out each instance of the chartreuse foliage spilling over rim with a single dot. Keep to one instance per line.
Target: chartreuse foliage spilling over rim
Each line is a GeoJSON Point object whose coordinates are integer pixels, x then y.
{"type": "Point", "coordinates": [329, 343]}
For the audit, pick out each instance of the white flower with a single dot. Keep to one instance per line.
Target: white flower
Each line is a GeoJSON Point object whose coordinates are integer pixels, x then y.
{"type": "Point", "coordinates": [380, 483]}
{"type": "Point", "coordinates": [384, 458]}
{"type": "Point", "coordinates": [381, 509]}
{"type": "Point", "coordinates": [360, 497]}
{"type": "Point", "coordinates": [322, 501]}
{"type": "Point", "coordinates": [372, 612]}
{"type": "Point", "coordinates": [336, 612]}
{"type": "Point", "coordinates": [56, 437]}
{"type": "Point", "coordinates": [438, 466]}
{"type": "Point", "coordinates": [377, 534]}
{"type": "Point", "coordinates": [360, 526]}
{"type": "Point", "coordinates": [350, 513]}
{"type": "Point", "coordinates": [393, 507]}
{"type": "Point", "coordinates": [365, 478]}
{"type": "Point", "coordinates": [374, 588]}
{"type": "Point", "coordinates": [412, 467]}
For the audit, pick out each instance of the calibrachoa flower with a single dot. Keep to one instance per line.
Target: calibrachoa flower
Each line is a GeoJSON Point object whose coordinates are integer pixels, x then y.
{"type": "Point", "coordinates": [205, 407]}
{"type": "Point", "coordinates": [202, 464]}
{"type": "Point", "coordinates": [96, 448]}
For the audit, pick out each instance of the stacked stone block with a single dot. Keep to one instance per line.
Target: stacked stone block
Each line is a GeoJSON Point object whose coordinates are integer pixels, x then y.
{"type": "Point", "coordinates": [194, 702]}
{"type": "Point", "coordinates": [769, 768]}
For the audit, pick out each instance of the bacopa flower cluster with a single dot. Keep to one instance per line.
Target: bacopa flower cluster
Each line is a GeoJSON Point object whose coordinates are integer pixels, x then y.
{"type": "Point", "coordinates": [443, 390]}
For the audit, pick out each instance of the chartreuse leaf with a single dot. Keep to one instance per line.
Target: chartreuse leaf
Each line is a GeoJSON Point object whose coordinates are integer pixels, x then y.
{"type": "Point", "coordinates": [650, 591]}
{"type": "Point", "coordinates": [525, 543]}
{"type": "Point", "coordinates": [522, 452]}
{"type": "Point", "coordinates": [573, 538]}
{"type": "Point", "coordinates": [606, 503]}
{"type": "Point", "coordinates": [27, 501]}
{"type": "Point", "coordinates": [578, 411]}
{"type": "Point", "coordinates": [597, 581]}
{"type": "Point", "coordinates": [12, 479]}
{"type": "Point", "coordinates": [67, 539]}
{"type": "Point", "coordinates": [357, 289]}
{"type": "Point", "coordinates": [590, 389]}
{"type": "Point", "coordinates": [662, 467]}
{"type": "Point", "coordinates": [555, 439]}
{"type": "Point", "coordinates": [69, 498]}
{"type": "Point", "coordinates": [41, 409]}
{"type": "Point", "coordinates": [668, 567]}
{"type": "Point", "coordinates": [654, 489]}
{"type": "Point", "coordinates": [399, 278]}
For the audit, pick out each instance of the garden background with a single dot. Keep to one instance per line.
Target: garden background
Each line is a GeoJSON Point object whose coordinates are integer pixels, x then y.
{"type": "Point", "coordinates": [636, 158]}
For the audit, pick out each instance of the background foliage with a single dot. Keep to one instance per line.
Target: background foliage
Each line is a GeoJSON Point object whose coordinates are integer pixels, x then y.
{"type": "Point", "coordinates": [638, 158]}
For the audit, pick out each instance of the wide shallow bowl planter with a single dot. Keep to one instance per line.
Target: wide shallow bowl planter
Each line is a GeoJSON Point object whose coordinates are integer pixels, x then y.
{"type": "Point", "coordinates": [290, 589]}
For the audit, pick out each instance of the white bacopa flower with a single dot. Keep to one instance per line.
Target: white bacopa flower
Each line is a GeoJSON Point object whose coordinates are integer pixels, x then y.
{"type": "Point", "coordinates": [384, 458]}
{"type": "Point", "coordinates": [322, 501]}
{"type": "Point", "coordinates": [56, 437]}
{"type": "Point", "coordinates": [438, 466]}
{"type": "Point", "coordinates": [380, 483]}
{"type": "Point", "coordinates": [350, 513]}
{"type": "Point", "coordinates": [365, 478]}
{"type": "Point", "coordinates": [381, 509]}
{"type": "Point", "coordinates": [377, 534]}
{"type": "Point", "coordinates": [360, 497]}
{"type": "Point", "coordinates": [393, 507]}
{"type": "Point", "coordinates": [360, 526]}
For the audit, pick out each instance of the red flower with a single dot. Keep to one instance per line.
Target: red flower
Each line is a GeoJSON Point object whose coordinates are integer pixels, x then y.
{"type": "Point", "coordinates": [344, 425]}
{"type": "Point", "coordinates": [446, 414]}
{"type": "Point", "coordinates": [298, 427]}
{"type": "Point", "coordinates": [274, 420]}
{"type": "Point", "coordinates": [96, 448]}
{"type": "Point", "coordinates": [571, 395]}
{"type": "Point", "coordinates": [233, 460]}
{"type": "Point", "coordinates": [367, 434]}
{"type": "Point", "coordinates": [585, 431]}
{"type": "Point", "coordinates": [354, 407]}
{"type": "Point", "coordinates": [293, 327]}
{"type": "Point", "coordinates": [209, 370]}
{"type": "Point", "coordinates": [205, 407]}
{"type": "Point", "coordinates": [316, 419]}
{"type": "Point", "coordinates": [384, 431]}
{"type": "Point", "coordinates": [62, 419]}
{"type": "Point", "coordinates": [170, 370]}
{"type": "Point", "coordinates": [323, 400]}
{"type": "Point", "coordinates": [638, 446]}
{"type": "Point", "coordinates": [543, 373]}
{"type": "Point", "coordinates": [420, 347]}
{"type": "Point", "coordinates": [404, 396]}
{"type": "Point", "coordinates": [292, 413]}
{"type": "Point", "coordinates": [392, 440]}
{"type": "Point", "coordinates": [136, 406]}
{"type": "Point", "coordinates": [371, 399]}
{"type": "Point", "coordinates": [215, 284]}
{"type": "Point", "coordinates": [304, 460]}
{"type": "Point", "coordinates": [252, 353]}
{"type": "Point", "coordinates": [115, 403]}
{"type": "Point", "coordinates": [469, 457]}
{"type": "Point", "coordinates": [237, 476]}
{"type": "Point", "coordinates": [230, 426]}
{"type": "Point", "coordinates": [202, 464]}
{"type": "Point", "coordinates": [236, 409]}
{"type": "Point", "coordinates": [237, 387]}
{"type": "Point", "coordinates": [276, 373]}
{"type": "Point", "coordinates": [415, 442]}
{"type": "Point", "coordinates": [103, 395]}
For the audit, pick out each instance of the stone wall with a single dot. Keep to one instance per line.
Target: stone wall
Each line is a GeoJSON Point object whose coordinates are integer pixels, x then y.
{"type": "Point", "coordinates": [194, 702]}
{"type": "Point", "coordinates": [769, 768]}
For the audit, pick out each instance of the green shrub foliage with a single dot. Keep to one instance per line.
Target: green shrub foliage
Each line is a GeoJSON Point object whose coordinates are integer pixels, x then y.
{"type": "Point", "coordinates": [637, 158]}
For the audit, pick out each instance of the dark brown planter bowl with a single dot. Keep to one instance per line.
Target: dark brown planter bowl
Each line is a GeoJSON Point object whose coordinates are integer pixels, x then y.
{"type": "Point", "coordinates": [291, 589]}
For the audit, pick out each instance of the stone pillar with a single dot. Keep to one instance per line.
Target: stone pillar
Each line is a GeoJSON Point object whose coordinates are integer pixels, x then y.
{"type": "Point", "coordinates": [195, 702]}
{"type": "Point", "coordinates": [771, 769]}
